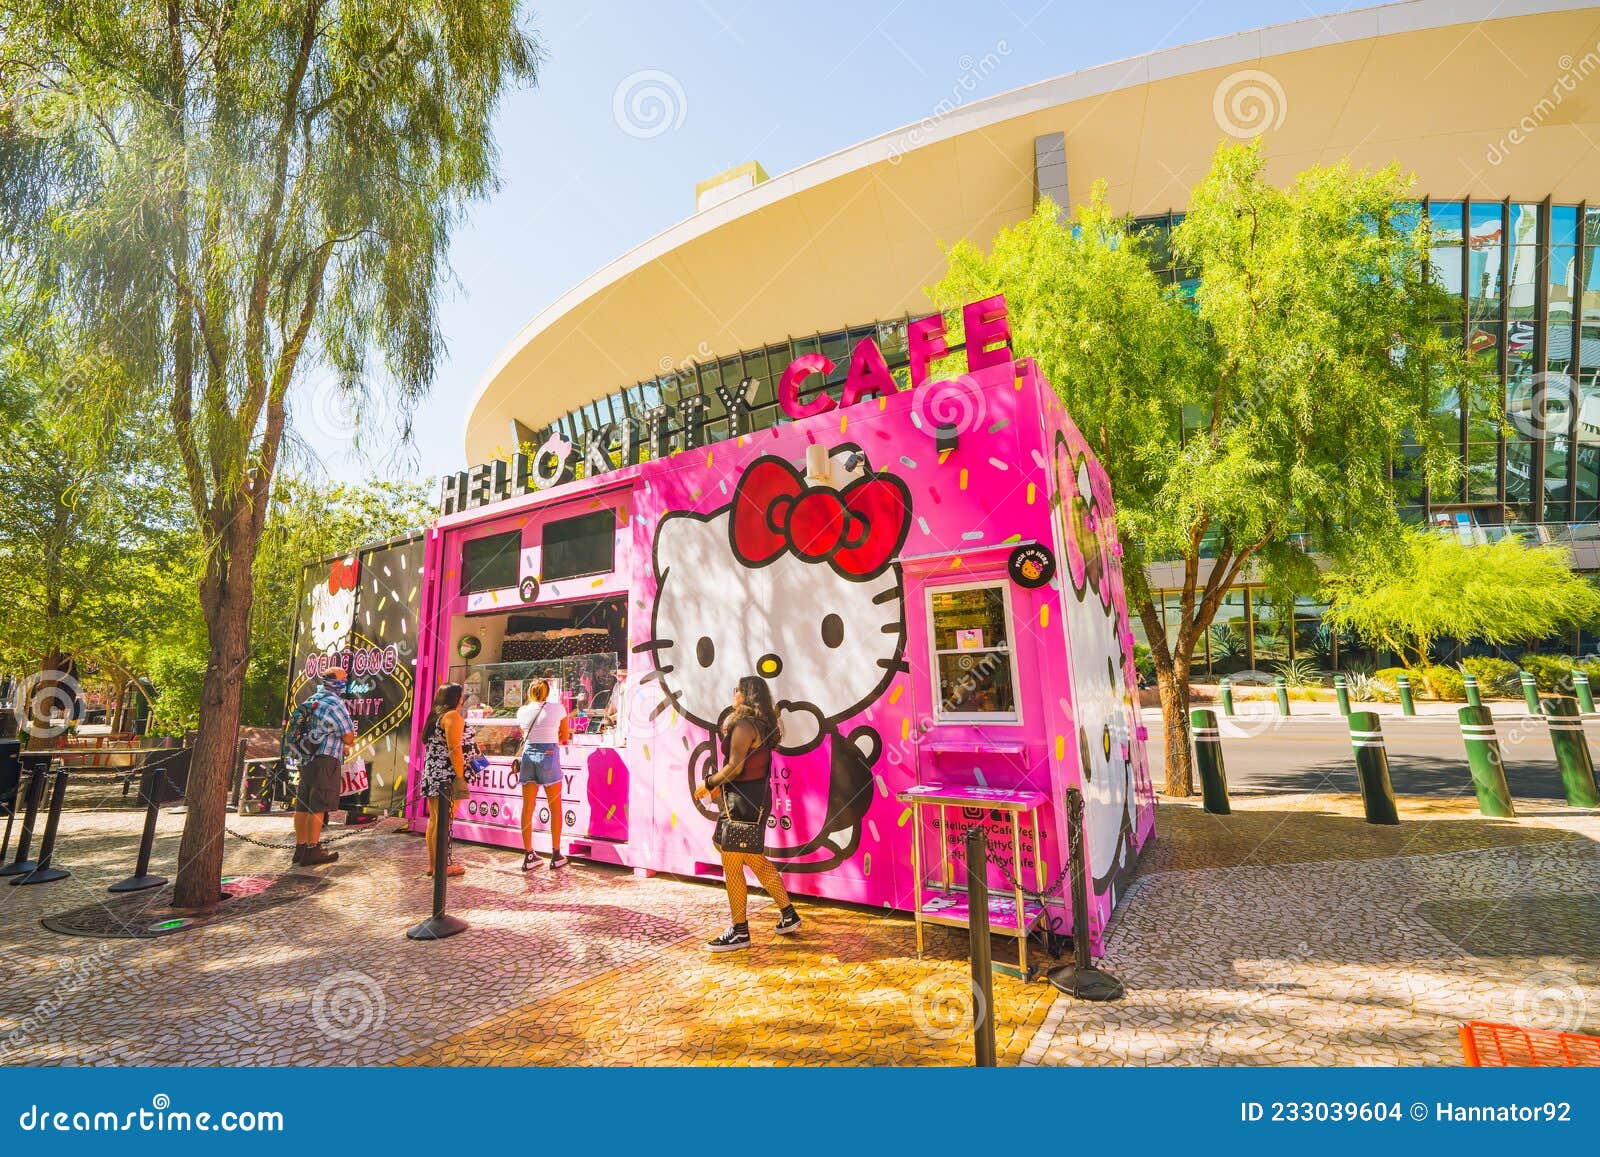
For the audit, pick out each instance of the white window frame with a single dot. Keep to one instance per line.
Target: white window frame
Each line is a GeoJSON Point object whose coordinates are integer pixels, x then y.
{"type": "Point", "coordinates": [998, 719]}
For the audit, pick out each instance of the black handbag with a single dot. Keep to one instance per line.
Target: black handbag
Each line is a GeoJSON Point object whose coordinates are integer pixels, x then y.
{"type": "Point", "coordinates": [739, 836]}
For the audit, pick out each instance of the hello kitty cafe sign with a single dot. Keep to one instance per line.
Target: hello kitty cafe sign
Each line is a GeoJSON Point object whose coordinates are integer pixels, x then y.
{"type": "Point", "coordinates": [632, 440]}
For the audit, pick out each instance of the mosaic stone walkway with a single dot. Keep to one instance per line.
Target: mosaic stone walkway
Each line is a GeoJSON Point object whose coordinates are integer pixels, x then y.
{"type": "Point", "coordinates": [1289, 932]}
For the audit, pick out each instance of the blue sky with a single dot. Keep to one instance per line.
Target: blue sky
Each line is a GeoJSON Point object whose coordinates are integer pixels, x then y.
{"type": "Point", "coordinates": [782, 84]}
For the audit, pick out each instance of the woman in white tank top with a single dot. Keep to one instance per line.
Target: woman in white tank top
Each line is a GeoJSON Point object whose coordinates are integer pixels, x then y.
{"type": "Point", "coordinates": [544, 728]}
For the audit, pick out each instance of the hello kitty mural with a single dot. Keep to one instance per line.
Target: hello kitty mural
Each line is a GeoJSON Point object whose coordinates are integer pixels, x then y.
{"type": "Point", "coordinates": [826, 550]}
{"type": "Point", "coordinates": [928, 579]}
{"type": "Point", "coordinates": [333, 605]}
{"type": "Point", "coordinates": [1097, 642]}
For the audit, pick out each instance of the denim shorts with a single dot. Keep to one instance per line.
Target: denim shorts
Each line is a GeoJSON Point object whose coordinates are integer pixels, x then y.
{"type": "Point", "coordinates": [548, 772]}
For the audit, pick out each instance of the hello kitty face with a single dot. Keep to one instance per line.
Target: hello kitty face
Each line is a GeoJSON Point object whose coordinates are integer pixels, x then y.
{"type": "Point", "coordinates": [1102, 700]}
{"type": "Point", "coordinates": [791, 582]}
{"type": "Point", "coordinates": [333, 606]}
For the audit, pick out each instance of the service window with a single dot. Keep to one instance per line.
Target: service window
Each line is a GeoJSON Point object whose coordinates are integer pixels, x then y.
{"type": "Point", "coordinates": [573, 547]}
{"type": "Point", "coordinates": [970, 627]}
{"type": "Point", "coordinates": [491, 563]}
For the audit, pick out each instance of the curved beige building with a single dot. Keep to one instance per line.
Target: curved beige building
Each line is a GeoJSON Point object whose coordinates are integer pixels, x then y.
{"type": "Point", "coordinates": [1494, 106]}
{"type": "Point", "coordinates": [1468, 95]}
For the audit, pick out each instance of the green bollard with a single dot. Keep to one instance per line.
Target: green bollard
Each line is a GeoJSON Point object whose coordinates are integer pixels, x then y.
{"type": "Point", "coordinates": [1281, 686]}
{"type": "Point", "coordinates": [1372, 768]}
{"type": "Point", "coordinates": [1342, 691]}
{"type": "Point", "coordinates": [1580, 684]}
{"type": "Point", "coordinates": [1530, 692]}
{"type": "Point", "coordinates": [1408, 705]}
{"type": "Point", "coordinates": [1572, 752]}
{"type": "Point", "coordinates": [1227, 697]}
{"type": "Point", "coordinates": [1471, 683]}
{"type": "Point", "coordinates": [1483, 757]}
{"type": "Point", "coordinates": [1208, 757]}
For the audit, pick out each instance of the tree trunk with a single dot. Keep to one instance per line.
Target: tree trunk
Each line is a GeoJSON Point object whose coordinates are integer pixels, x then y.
{"type": "Point", "coordinates": [199, 880]}
{"type": "Point", "coordinates": [1172, 685]}
{"type": "Point", "coordinates": [1174, 692]}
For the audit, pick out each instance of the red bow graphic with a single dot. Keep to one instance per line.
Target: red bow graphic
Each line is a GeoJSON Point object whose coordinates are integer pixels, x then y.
{"type": "Point", "coordinates": [857, 530]}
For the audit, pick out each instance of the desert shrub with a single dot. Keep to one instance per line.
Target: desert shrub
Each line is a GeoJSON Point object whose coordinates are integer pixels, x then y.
{"type": "Point", "coordinates": [1553, 673]}
{"type": "Point", "coordinates": [1494, 676]}
{"type": "Point", "coordinates": [1299, 673]}
{"type": "Point", "coordinates": [1445, 683]}
{"type": "Point", "coordinates": [1365, 688]}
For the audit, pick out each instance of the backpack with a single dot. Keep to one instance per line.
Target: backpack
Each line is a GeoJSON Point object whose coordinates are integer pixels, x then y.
{"type": "Point", "coordinates": [297, 741]}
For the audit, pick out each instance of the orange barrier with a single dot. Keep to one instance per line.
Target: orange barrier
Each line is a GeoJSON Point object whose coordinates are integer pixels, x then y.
{"type": "Point", "coordinates": [1506, 1045]}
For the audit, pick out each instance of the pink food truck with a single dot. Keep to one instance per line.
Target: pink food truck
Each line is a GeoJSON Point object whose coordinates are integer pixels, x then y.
{"type": "Point", "coordinates": [929, 579]}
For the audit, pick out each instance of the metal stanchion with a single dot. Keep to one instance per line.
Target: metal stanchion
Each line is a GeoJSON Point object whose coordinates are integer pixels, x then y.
{"type": "Point", "coordinates": [1208, 758]}
{"type": "Point", "coordinates": [1572, 752]}
{"type": "Point", "coordinates": [1372, 768]}
{"type": "Point", "coordinates": [1227, 697]}
{"type": "Point", "coordinates": [35, 794]}
{"type": "Point", "coordinates": [10, 785]}
{"type": "Point", "coordinates": [441, 923]}
{"type": "Point", "coordinates": [1341, 691]}
{"type": "Point", "coordinates": [1470, 682]}
{"type": "Point", "coordinates": [1408, 705]}
{"type": "Point", "coordinates": [1081, 978]}
{"type": "Point", "coordinates": [983, 1046]}
{"type": "Point", "coordinates": [1280, 686]}
{"type": "Point", "coordinates": [1530, 692]}
{"type": "Point", "coordinates": [43, 872]}
{"type": "Point", "coordinates": [1580, 685]}
{"type": "Point", "coordinates": [236, 775]}
{"type": "Point", "coordinates": [150, 790]}
{"type": "Point", "coordinates": [1483, 757]}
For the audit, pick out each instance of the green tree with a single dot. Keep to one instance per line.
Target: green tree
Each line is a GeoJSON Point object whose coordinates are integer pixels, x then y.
{"type": "Point", "coordinates": [253, 189]}
{"type": "Point", "coordinates": [89, 514]}
{"type": "Point", "coordinates": [1505, 593]}
{"type": "Point", "coordinates": [1255, 424]}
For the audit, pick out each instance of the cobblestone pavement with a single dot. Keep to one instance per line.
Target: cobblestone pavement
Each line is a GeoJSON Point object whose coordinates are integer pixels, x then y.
{"type": "Point", "coordinates": [1289, 932]}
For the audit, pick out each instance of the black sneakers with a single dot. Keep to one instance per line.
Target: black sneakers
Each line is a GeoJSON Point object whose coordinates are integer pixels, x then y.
{"type": "Point", "coordinates": [732, 940]}
{"type": "Point", "coordinates": [788, 922]}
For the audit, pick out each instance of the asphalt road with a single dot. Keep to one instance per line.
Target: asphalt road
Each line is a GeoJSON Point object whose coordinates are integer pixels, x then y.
{"type": "Point", "coordinates": [1426, 755]}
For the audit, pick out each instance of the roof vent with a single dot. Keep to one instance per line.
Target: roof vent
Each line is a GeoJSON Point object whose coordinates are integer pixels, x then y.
{"type": "Point", "coordinates": [716, 190]}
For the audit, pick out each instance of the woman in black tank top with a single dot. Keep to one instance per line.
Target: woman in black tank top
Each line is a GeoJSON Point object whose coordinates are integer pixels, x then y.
{"type": "Point", "coordinates": [749, 736]}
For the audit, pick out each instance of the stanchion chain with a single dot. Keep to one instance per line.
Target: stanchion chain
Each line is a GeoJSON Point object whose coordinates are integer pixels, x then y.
{"type": "Point", "coordinates": [356, 831]}
{"type": "Point", "coordinates": [999, 862]}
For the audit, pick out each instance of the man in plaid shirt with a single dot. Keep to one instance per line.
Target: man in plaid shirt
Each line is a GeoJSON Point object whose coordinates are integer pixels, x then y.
{"type": "Point", "coordinates": [332, 735]}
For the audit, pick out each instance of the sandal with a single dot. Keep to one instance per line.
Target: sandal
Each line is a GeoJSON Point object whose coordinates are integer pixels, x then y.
{"type": "Point", "coordinates": [455, 870]}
